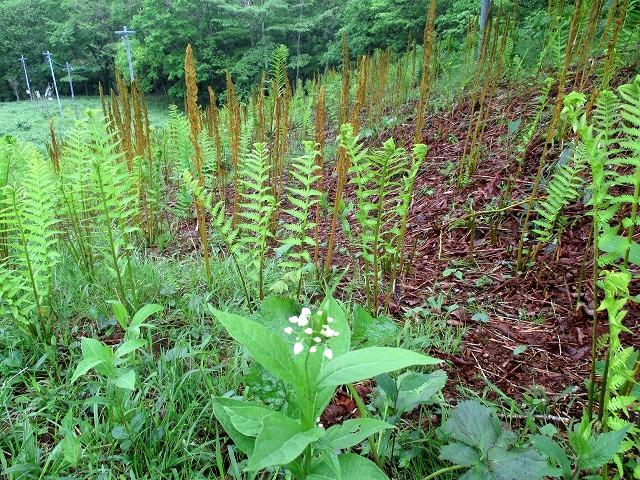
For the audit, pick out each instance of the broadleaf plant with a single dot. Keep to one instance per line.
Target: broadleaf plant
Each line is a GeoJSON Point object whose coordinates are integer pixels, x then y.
{"type": "Point", "coordinates": [311, 352]}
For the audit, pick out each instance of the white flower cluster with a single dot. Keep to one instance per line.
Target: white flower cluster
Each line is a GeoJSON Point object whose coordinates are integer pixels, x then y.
{"type": "Point", "coordinates": [315, 332]}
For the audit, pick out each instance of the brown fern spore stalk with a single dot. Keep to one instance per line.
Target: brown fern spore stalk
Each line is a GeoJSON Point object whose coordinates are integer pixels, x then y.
{"type": "Point", "coordinates": [213, 125]}
{"type": "Point", "coordinates": [341, 161]}
{"type": "Point", "coordinates": [193, 114]}
{"type": "Point", "coordinates": [235, 130]}
{"type": "Point", "coordinates": [429, 34]}
{"type": "Point", "coordinates": [320, 138]}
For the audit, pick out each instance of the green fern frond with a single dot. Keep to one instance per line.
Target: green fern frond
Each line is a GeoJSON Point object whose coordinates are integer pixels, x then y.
{"type": "Point", "coordinates": [28, 219]}
{"type": "Point", "coordinates": [297, 243]}
{"type": "Point", "coordinates": [563, 188]}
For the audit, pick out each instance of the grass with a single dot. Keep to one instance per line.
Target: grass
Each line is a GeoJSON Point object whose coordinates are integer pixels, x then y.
{"type": "Point", "coordinates": [29, 121]}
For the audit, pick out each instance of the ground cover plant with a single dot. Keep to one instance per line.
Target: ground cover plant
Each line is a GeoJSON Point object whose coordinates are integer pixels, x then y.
{"type": "Point", "coordinates": [420, 261]}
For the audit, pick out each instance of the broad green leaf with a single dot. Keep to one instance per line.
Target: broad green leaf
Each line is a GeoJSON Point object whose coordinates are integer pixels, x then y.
{"type": "Point", "coordinates": [71, 448]}
{"type": "Point", "coordinates": [275, 311]}
{"type": "Point", "coordinates": [126, 380]}
{"type": "Point", "coordinates": [473, 424]}
{"type": "Point", "coordinates": [145, 312]}
{"type": "Point", "coordinates": [248, 418]}
{"type": "Point", "coordinates": [280, 442]}
{"type": "Point", "coordinates": [417, 388]}
{"type": "Point", "coordinates": [555, 452]}
{"type": "Point", "coordinates": [93, 350]}
{"type": "Point", "coordinates": [83, 367]}
{"type": "Point", "coordinates": [120, 312]}
{"type": "Point", "coordinates": [602, 449]}
{"type": "Point", "coordinates": [521, 463]}
{"type": "Point", "coordinates": [266, 347]}
{"type": "Point", "coordinates": [220, 404]}
{"type": "Point", "coordinates": [129, 346]}
{"type": "Point", "coordinates": [352, 466]}
{"type": "Point", "coordinates": [354, 431]}
{"type": "Point", "coordinates": [361, 321]}
{"type": "Point", "coordinates": [460, 454]}
{"type": "Point", "coordinates": [368, 362]}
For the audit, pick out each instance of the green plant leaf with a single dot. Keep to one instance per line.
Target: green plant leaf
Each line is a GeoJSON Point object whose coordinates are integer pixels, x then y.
{"type": "Point", "coordinates": [352, 466]}
{"type": "Point", "coordinates": [129, 346]}
{"type": "Point", "coordinates": [267, 348]}
{"type": "Point", "coordinates": [518, 349]}
{"type": "Point", "coordinates": [482, 317]}
{"type": "Point", "coordinates": [602, 449]}
{"type": "Point", "coordinates": [368, 362]}
{"type": "Point", "coordinates": [473, 424]}
{"type": "Point", "coordinates": [280, 442]}
{"type": "Point", "coordinates": [94, 350]}
{"type": "Point", "coordinates": [220, 404]}
{"type": "Point", "coordinates": [275, 311]}
{"type": "Point", "coordinates": [481, 444]}
{"type": "Point", "coordinates": [460, 454]}
{"type": "Point", "coordinates": [83, 368]}
{"type": "Point", "coordinates": [145, 312]}
{"type": "Point", "coordinates": [248, 418]}
{"type": "Point", "coordinates": [126, 380]}
{"type": "Point", "coordinates": [354, 431]}
{"type": "Point", "coordinates": [555, 452]}
{"type": "Point", "coordinates": [71, 449]}
{"type": "Point", "coordinates": [417, 388]}
{"type": "Point", "coordinates": [120, 312]}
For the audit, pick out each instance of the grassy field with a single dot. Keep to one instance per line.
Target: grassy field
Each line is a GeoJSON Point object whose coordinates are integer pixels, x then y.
{"type": "Point", "coordinates": [29, 121]}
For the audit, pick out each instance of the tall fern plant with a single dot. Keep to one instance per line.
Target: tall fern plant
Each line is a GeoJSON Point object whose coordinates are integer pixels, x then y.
{"type": "Point", "coordinates": [298, 242]}
{"type": "Point", "coordinates": [612, 149]}
{"type": "Point", "coordinates": [28, 217]}
{"type": "Point", "coordinates": [257, 207]}
{"type": "Point", "coordinates": [384, 180]}
{"type": "Point", "coordinates": [115, 209]}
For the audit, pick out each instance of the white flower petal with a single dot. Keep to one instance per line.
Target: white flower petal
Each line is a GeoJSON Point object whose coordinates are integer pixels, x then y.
{"type": "Point", "coordinates": [330, 319]}
{"type": "Point", "coordinates": [298, 348]}
{"type": "Point", "coordinates": [288, 330]}
{"type": "Point", "coordinates": [313, 349]}
{"type": "Point", "coordinates": [317, 339]}
{"type": "Point", "coordinates": [306, 311]}
{"type": "Point", "coordinates": [293, 319]}
{"type": "Point", "coordinates": [308, 331]}
{"type": "Point", "coordinates": [303, 321]}
{"type": "Point", "coordinates": [328, 353]}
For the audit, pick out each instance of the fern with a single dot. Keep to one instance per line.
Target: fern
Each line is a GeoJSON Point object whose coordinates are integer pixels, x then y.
{"type": "Point", "coordinates": [618, 367]}
{"type": "Point", "coordinates": [384, 181]}
{"type": "Point", "coordinates": [563, 188]}
{"type": "Point", "coordinates": [222, 225]}
{"type": "Point", "coordinates": [257, 206]}
{"type": "Point", "coordinates": [303, 198]}
{"type": "Point", "coordinates": [28, 215]}
{"type": "Point", "coordinates": [115, 208]}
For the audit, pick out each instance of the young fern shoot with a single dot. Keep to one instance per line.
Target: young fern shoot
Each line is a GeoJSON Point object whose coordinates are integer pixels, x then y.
{"type": "Point", "coordinates": [384, 181]}
{"type": "Point", "coordinates": [257, 206]}
{"type": "Point", "coordinates": [304, 198]}
{"type": "Point", "coordinates": [28, 214]}
{"type": "Point", "coordinates": [222, 225]}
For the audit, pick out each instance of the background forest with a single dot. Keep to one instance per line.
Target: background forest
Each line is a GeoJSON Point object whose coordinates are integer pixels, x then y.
{"type": "Point", "coordinates": [235, 35]}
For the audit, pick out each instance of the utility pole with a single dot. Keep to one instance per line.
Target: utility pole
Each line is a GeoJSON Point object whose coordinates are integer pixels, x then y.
{"type": "Point", "coordinates": [47, 55]}
{"type": "Point", "coordinates": [73, 97]}
{"type": "Point", "coordinates": [125, 33]}
{"type": "Point", "coordinates": [26, 75]}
